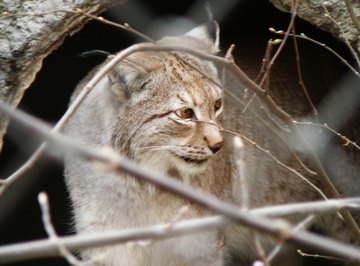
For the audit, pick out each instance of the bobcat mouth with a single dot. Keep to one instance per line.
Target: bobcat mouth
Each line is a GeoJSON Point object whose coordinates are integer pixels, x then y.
{"type": "Point", "coordinates": [192, 160]}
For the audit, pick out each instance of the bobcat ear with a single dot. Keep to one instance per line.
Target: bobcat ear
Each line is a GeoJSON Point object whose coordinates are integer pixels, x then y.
{"type": "Point", "coordinates": [118, 88]}
{"type": "Point", "coordinates": [209, 34]}
{"type": "Point", "coordinates": [132, 72]}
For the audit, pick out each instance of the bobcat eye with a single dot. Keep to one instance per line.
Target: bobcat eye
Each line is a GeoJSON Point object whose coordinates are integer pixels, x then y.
{"type": "Point", "coordinates": [185, 113]}
{"type": "Point", "coordinates": [217, 105]}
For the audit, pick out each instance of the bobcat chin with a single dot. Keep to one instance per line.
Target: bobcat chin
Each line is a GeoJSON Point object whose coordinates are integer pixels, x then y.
{"type": "Point", "coordinates": [164, 110]}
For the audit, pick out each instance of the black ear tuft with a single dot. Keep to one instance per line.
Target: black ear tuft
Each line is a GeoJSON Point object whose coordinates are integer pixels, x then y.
{"type": "Point", "coordinates": [95, 52]}
{"type": "Point", "coordinates": [213, 30]}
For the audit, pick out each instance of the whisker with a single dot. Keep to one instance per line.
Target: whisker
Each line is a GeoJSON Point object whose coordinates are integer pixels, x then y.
{"type": "Point", "coordinates": [157, 148]}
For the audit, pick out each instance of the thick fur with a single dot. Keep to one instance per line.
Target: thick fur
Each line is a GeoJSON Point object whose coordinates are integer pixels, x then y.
{"type": "Point", "coordinates": [148, 128]}
{"type": "Point", "coordinates": [137, 110]}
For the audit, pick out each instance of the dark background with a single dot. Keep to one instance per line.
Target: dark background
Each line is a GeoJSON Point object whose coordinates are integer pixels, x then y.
{"type": "Point", "coordinates": [246, 24]}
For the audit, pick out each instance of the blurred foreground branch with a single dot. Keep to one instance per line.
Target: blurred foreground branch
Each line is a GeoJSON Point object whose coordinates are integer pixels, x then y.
{"type": "Point", "coordinates": [114, 162]}
{"type": "Point", "coordinates": [47, 248]}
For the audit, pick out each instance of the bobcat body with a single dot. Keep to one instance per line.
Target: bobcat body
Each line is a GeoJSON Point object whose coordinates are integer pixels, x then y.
{"type": "Point", "coordinates": [163, 110]}
{"type": "Point", "coordinates": [154, 127]}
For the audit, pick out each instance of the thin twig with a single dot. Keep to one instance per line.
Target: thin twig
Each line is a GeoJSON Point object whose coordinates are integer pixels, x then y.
{"type": "Point", "coordinates": [326, 126]}
{"type": "Point", "coordinates": [290, 169]}
{"type": "Point", "coordinates": [300, 75]}
{"type": "Point", "coordinates": [124, 26]}
{"type": "Point", "coordinates": [317, 256]}
{"type": "Point", "coordinates": [229, 53]}
{"type": "Point", "coordinates": [241, 181]}
{"type": "Point", "coordinates": [305, 223]}
{"type": "Point", "coordinates": [315, 207]}
{"type": "Point", "coordinates": [265, 83]}
{"type": "Point", "coordinates": [50, 230]}
{"type": "Point", "coordinates": [263, 69]}
{"type": "Point", "coordinates": [260, 251]}
{"type": "Point", "coordinates": [337, 55]}
{"type": "Point", "coordinates": [327, 184]}
{"type": "Point", "coordinates": [274, 131]}
{"type": "Point", "coordinates": [294, 6]}
{"type": "Point", "coordinates": [352, 14]}
{"type": "Point", "coordinates": [272, 156]}
{"type": "Point", "coordinates": [343, 35]}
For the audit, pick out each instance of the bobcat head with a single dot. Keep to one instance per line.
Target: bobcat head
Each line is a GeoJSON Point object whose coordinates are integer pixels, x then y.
{"type": "Point", "coordinates": [170, 119]}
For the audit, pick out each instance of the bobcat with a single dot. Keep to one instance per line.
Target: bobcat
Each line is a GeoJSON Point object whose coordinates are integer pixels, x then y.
{"type": "Point", "coordinates": [161, 110]}
{"type": "Point", "coordinates": [156, 127]}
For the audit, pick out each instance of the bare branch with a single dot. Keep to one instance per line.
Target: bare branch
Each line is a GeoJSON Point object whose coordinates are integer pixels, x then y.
{"type": "Point", "coordinates": [328, 186]}
{"type": "Point", "coordinates": [317, 256]}
{"type": "Point", "coordinates": [117, 164]}
{"type": "Point", "coordinates": [49, 228]}
{"type": "Point", "coordinates": [76, 103]}
{"type": "Point", "coordinates": [343, 35]}
{"type": "Point", "coordinates": [292, 170]}
{"type": "Point", "coordinates": [332, 51]}
{"type": "Point", "coordinates": [260, 251]}
{"type": "Point", "coordinates": [294, 6]}
{"type": "Point", "coordinates": [273, 157]}
{"type": "Point", "coordinates": [241, 182]}
{"type": "Point", "coordinates": [305, 223]}
{"type": "Point", "coordinates": [346, 140]}
{"type": "Point", "coordinates": [300, 75]}
{"type": "Point", "coordinates": [352, 14]}
{"type": "Point", "coordinates": [45, 248]}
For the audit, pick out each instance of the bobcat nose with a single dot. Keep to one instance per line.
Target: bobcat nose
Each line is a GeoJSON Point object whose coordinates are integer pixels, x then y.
{"type": "Point", "coordinates": [214, 143]}
{"type": "Point", "coordinates": [213, 138]}
{"type": "Point", "coordinates": [216, 147]}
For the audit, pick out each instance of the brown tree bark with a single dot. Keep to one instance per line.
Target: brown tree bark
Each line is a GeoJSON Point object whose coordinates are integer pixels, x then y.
{"type": "Point", "coordinates": [30, 31]}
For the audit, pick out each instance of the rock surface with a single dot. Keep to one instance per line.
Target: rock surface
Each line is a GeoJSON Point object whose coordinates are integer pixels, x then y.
{"type": "Point", "coordinates": [313, 11]}
{"type": "Point", "coordinates": [29, 31]}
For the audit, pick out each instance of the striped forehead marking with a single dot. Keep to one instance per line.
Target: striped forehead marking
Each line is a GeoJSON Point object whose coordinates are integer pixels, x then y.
{"type": "Point", "coordinates": [198, 87]}
{"type": "Point", "coordinates": [182, 98]}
